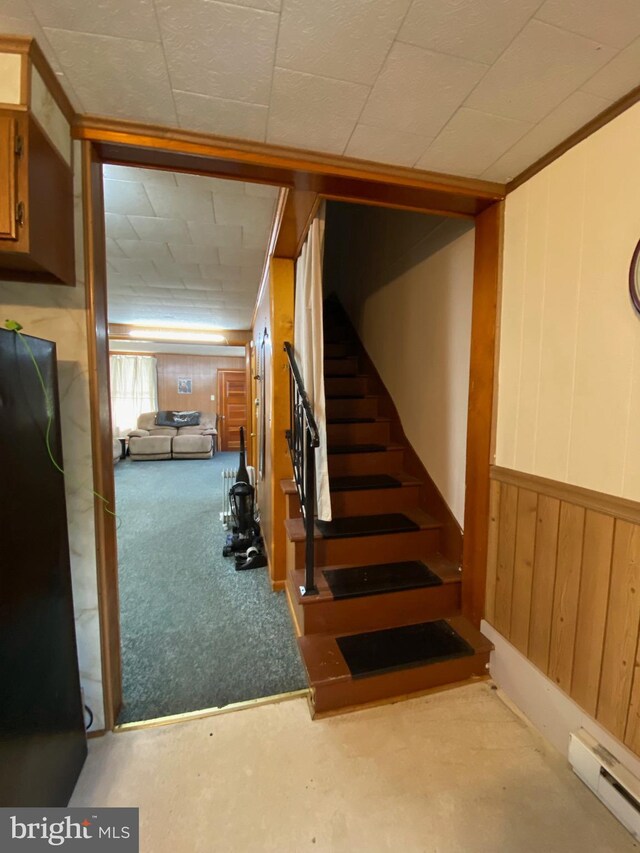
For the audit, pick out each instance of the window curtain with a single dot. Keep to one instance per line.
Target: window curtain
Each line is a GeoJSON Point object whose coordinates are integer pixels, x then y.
{"type": "Point", "coordinates": [134, 390]}
{"type": "Point", "coordinates": [309, 347]}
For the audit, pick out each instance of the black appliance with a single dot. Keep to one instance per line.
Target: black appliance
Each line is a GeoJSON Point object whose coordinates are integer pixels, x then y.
{"type": "Point", "coordinates": [42, 736]}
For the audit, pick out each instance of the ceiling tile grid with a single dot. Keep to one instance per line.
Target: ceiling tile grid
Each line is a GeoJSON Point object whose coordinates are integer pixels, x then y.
{"type": "Point", "coordinates": [420, 83]}
{"type": "Point", "coordinates": [185, 249]}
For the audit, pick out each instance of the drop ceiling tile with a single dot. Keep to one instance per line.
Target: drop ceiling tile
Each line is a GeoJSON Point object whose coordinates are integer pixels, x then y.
{"type": "Point", "coordinates": [255, 239]}
{"type": "Point", "coordinates": [214, 185]}
{"type": "Point", "coordinates": [135, 266]}
{"type": "Point", "coordinates": [113, 250]}
{"type": "Point", "coordinates": [247, 257]}
{"type": "Point", "coordinates": [218, 49]}
{"type": "Point", "coordinates": [249, 212]}
{"type": "Point", "coordinates": [169, 270]}
{"type": "Point", "coordinates": [144, 249]}
{"type": "Point", "coordinates": [139, 175]}
{"type": "Point", "coordinates": [472, 29]}
{"type": "Point", "coordinates": [126, 197]}
{"type": "Point", "coordinates": [385, 145]}
{"type": "Point", "coordinates": [195, 254]}
{"type": "Point", "coordinates": [219, 272]}
{"type": "Point", "coordinates": [118, 77]}
{"type": "Point", "coordinates": [121, 18]}
{"type": "Point", "coordinates": [612, 22]}
{"type": "Point", "coordinates": [540, 68]}
{"type": "Point", "coordinates": [224, 118]}
{"type": "Point", "coordinates": [313, 112]}
{"type": "Point", "coordinates": [261, 191]}
{"type": "Point", "coordinates": [207, 234]}
{"type": "Point", "coordinates": [617, 77]}
{"type": "Point", "coordinates": [117, 225]}
{"type": "Point", "coordinates": [576, 111]}
{"type": "Point", "coordinates": [490, 136]}
{"type": "Point", "coordinates": [181, 203]}
{"type": "Point", "coordinates": [156, 228]}
{"type": "Point", "coordinates": [418, 90]}
{"type": "Point", "coordinates": [16, 19]}
{"type": "Point", "coordinates": [347, 41]}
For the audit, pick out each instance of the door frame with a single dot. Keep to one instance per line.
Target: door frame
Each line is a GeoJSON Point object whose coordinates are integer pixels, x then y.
{"type": "Point", "coordinates": [241, 371]}
{"type": "Point", "coordinates": [307, 179]}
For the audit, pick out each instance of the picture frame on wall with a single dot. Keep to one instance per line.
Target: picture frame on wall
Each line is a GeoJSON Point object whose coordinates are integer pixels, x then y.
{"type": "Point", "coordinates": [184, 385]}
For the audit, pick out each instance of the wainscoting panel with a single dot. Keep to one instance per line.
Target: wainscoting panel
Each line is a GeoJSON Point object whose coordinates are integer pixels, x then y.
{"type": "Point", "coordinates": [563, 586]}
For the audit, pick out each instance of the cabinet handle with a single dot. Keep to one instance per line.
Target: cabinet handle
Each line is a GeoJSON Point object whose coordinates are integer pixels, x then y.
{"type": "Point", "coordinates": [20, 213]}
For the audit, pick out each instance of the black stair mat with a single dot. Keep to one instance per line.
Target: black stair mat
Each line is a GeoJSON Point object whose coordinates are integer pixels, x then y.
{"type": "Point", "coordinates": [357, 448]}
{"type": "Point", "coordinates": [357, 483]}
{"type": "Point", "coordinates": [351, 420]}
{"type": "Point", "coordinates": [391, 649]}
{"type": "Point", "coordinates": [366, 525]}
{"type": "Point", "coordinates": [359, 581]}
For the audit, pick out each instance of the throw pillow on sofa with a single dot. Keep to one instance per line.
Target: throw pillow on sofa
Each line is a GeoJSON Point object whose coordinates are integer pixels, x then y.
{"type": "Point", "coordinates": [178, 419]}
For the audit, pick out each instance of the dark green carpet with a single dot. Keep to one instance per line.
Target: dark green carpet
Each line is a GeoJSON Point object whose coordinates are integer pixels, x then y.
{"type": "Point", "coordinates": [195, 633]}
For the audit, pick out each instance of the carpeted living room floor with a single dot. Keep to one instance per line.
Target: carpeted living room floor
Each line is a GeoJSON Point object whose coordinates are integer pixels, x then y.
{"type": "Point", "coordinates": [195, 633]}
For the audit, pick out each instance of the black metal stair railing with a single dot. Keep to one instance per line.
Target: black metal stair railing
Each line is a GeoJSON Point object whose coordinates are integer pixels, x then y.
{"type": "Point", "coordinates": [303, 437]}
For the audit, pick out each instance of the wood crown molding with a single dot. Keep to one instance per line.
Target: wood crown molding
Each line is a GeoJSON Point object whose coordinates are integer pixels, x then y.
{"type": "Point", "coordinates": [235, 337]}
{"type": "Point", "coordinates": [581, 134]}
{"type": "Point", "coordinates": [623, 508]}
{"type": "Point", "coordinates": [30, 50]}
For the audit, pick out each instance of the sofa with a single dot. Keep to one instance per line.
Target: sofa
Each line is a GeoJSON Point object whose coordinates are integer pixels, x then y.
{"type": "Point", "coordinates": [151, 441]}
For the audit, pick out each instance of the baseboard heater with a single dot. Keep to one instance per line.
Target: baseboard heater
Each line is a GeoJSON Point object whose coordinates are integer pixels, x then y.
{"type": "Point", "coordinates": [609, 780]}
{"type": "Point", "coordinates": [228, 479]}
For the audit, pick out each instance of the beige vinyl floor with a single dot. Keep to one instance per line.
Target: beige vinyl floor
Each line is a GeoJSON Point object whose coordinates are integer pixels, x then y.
{"type": "Point", "coordinates": [452, 772]}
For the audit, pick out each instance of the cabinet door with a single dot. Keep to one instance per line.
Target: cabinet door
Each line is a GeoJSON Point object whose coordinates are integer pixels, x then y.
{"type": "Point", "coordinates": [8, 178]}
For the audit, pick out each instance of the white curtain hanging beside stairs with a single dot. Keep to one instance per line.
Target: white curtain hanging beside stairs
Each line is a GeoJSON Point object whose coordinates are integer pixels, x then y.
{"type": "Point", "coordinates": [309, 347]}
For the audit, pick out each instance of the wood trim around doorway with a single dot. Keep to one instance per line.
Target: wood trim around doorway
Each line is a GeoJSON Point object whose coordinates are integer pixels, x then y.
{"type": "Point", "coordinates": [391, 190]}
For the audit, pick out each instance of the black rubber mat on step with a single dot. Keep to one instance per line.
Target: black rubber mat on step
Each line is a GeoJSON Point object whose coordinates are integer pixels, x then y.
{"type": "Point", "coordinates": [351, 420]}
{"type": "Point", "coordinates": [364, 481]}
{"type": "Point", "coordinates": [366, 525]}
{"type": "Point", "coordinates": [356, 448]}
{"type": "Point", "coordinates": [359, 581]}
{"type": "Point", "coordinates": [377, 652]}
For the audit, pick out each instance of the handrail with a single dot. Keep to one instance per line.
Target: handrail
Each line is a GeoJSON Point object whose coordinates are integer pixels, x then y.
{"type": "Point", "coordinates": [304, 397]}
{"type": "Point", "coordinates": [303, 437]}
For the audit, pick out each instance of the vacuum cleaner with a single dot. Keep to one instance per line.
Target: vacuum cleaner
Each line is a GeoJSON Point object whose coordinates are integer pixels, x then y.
{"type": "Point", "coordinates": [244, 541]}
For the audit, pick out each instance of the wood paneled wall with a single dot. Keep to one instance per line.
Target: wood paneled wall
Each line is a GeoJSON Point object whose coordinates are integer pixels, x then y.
{"type": "Point", "coordinates": [203, 372]}
{"type": "Point", "coordinates": [563, 585]}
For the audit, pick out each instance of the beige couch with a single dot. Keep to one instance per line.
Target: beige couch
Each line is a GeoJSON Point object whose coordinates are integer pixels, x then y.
{"type": "Point", "coordinates": [149, 441]}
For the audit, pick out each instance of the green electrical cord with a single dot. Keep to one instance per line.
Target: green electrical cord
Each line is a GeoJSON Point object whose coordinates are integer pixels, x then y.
{"type": "Point", "coordinates": [14, 326]}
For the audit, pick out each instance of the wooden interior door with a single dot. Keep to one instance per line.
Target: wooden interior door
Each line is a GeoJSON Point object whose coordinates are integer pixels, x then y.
{"type": "Point", "coordinates": [232, 408]}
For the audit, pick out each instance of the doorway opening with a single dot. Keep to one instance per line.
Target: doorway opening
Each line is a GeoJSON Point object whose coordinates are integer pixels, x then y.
{"type": "Point", "coordinates": [185, 255]}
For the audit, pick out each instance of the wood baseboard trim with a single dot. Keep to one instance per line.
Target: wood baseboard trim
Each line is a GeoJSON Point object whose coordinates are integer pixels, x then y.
{"type": "Point", "coordinates": [623, 508]}
{"type": "Point", "coordinates": [97, 733]}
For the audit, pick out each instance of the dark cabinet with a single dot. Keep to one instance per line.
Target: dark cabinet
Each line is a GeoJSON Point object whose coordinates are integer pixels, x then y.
{"type": "Point", "coordinates": [36, 204]}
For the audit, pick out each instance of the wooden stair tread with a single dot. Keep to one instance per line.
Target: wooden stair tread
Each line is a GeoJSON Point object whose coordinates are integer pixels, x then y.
{"type": "Point", "coordinates": [296, 532]}
{"type": "Point", "coordinates": [446, 570]}
{"type": "Point", "coordinates": [326, 665]}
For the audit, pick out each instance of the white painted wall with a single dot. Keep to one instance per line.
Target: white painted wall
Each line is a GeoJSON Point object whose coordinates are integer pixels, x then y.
{"type": "Point", "coordinates": [58, 313]}
{"type": "Point", "coordinates": [10, 75]}
{"type": "Point", "coordinates": [406, 281]}
{"type": "Point", "coordinates": [569, 365]}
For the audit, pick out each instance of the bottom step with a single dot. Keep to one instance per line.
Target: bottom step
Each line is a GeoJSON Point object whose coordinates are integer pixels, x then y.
{"type": "Point", "coordinates": [355, 669]}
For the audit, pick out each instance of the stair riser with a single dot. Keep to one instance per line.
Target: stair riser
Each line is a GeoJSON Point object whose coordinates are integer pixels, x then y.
{"type": "Point", "coordinates": [384, 462]}
{"type": "Point", "coordinates": [374, 612]}
{"type": "Point", "coordinates": [367, 408]}
{"type": "Point", "coordinates": [346, 386]}
{"type": "Point", "coordinates": [348, 693]}
{"type": "Point", "coordinates": [347, 366]}
{"type": "Point", "coordinates": [368, 550]}
{"type": "Point", "coordinates": [374, 501]}
{"type": "Point", "coordinates": [336, 350]}
{"type": "Point", "coordinates": [334, 334]}
{"type": "Point", "coordinates": [375, 433]}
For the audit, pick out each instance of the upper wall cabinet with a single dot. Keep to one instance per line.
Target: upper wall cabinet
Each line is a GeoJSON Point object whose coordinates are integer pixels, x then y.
{"type": "Point", "coordinates": [36, 170]}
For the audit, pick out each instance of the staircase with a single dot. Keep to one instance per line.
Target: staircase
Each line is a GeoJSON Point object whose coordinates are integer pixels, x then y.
{"type": "Point", "coordinates": [386, 620]}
